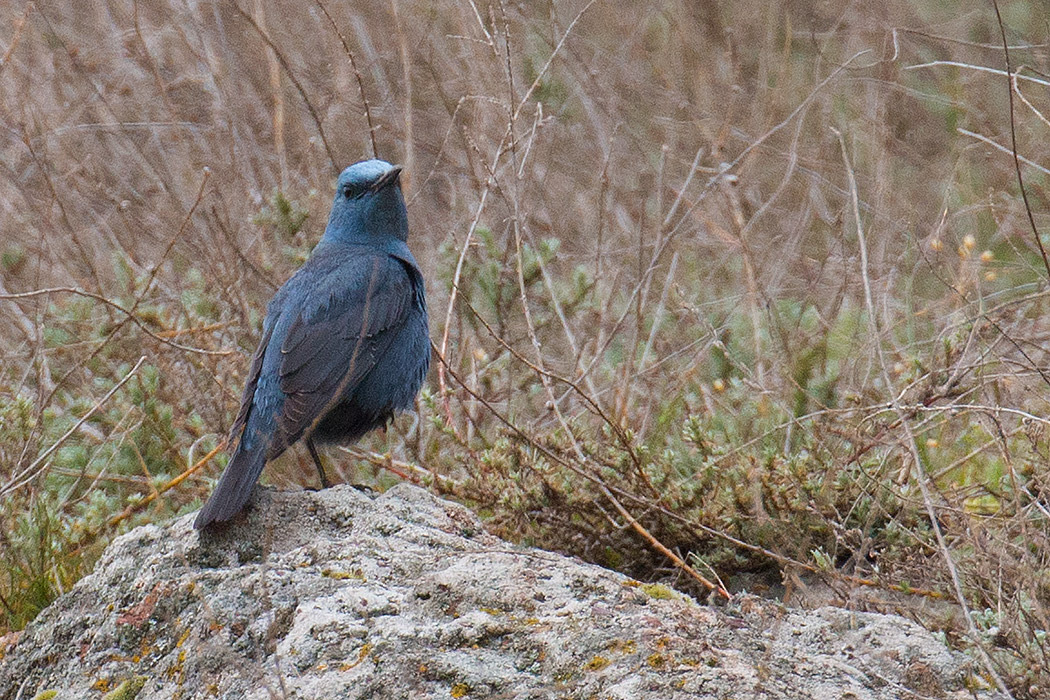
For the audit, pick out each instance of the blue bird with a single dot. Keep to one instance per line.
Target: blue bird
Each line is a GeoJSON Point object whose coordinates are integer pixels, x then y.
{"type": "Point", "coordinates": [345, 342]}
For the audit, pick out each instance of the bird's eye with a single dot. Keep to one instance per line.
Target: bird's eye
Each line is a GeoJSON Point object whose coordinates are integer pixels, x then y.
{"type": "Point", "coordinates": [353, 190]}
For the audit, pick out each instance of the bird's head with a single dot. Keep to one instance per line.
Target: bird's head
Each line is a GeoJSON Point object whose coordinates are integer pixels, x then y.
{"type": "Point", "coordinates": [368, 204]}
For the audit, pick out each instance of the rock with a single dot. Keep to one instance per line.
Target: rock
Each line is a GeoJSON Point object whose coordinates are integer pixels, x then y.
{"type": "Point", "coordinates": [337, 594]}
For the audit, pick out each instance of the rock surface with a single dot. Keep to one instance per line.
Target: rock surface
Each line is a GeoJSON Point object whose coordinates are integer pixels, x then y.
{"type": "Point", "coordinates": [338, 594]}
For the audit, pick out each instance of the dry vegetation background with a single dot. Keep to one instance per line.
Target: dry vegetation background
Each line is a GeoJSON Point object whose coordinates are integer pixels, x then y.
{"type": "Point", "coordinates": [736, 292]}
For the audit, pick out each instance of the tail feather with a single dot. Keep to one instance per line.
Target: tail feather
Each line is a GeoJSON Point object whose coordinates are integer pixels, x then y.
{"type": "Point", "coordinates": [234, 487]}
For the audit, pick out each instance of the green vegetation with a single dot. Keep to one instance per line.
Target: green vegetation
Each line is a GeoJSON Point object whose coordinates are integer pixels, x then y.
{"type": "Point", "coordinates": [752, 283]}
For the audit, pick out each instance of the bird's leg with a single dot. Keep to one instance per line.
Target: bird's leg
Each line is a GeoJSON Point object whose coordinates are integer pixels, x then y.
{"type": "Point", "coordinates": [317, 461]}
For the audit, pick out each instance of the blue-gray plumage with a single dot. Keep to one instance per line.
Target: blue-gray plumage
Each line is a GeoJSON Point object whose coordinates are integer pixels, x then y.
{"type": "Point", "coordinates": [345, 342]}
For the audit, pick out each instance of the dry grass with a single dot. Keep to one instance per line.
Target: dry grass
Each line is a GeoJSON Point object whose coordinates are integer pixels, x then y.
{"type": "Point", "coordinates": [750, 283]}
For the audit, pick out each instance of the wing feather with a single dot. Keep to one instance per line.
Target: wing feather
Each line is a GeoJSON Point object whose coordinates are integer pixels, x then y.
{"type": "Point", "coordinates": [248, 396]}
{"type": "Point", "coordinates": [337, 339]}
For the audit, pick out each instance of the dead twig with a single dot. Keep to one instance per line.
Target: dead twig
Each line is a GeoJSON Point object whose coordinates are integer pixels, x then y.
{"type": "Point", "coordinates": [1013, 142]}
{"type": "Point", "coordinates": [295, 81]}
{"type": "Point", "coordinates": [357, 76]}
{"type": "Point", "coordinates": [149, 498]}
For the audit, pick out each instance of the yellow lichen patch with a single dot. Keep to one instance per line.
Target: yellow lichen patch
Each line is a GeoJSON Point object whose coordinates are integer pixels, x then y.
{"type": "Point", "coordinates": [491, 611]}
{"type": "Point", "coordinates": [659, 591]}
{"type": "Point", "coordinates": [343, 575]}
{"type": "Point", "coordinates": [596, 664]}
{"type": "Point", "coordinates": [45, 695]}
{"type": "Point", "coordinates": [976, 682]}
{"type": "Point", "coordinates": [182, 638]}
{"type": "Point", "coordinates": [460, 690]}
{"type": "Point", "coordinates": [623, 646]}
{"type": "Point", "coordinates": [100, 684]}
{"type": "Point", "coordinates": [175, 671]}
{"type": "Point", "coordinates": [656, 661]}
{"type": "Point", "coordinates": [362, 654]}
{"type": "Point", "coordinates": [127, 690]}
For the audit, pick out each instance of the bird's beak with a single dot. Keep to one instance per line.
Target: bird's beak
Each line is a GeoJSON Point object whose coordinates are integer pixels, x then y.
{"type": "Point", "coordinates": [388, 178]}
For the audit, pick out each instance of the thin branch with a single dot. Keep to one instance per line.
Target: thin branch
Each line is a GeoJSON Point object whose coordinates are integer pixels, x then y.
{"type": "Point", "coordinates": [1004, 149]}
{"type": "Point", "coordinates": [357, 75]}
{"type": "Point", "coordinates": [981, 69]}
{"type": "Point", "coordinates": [406, 77]}
{"type": "Point", "coordinates": [154, 495]}
{"type": "Point", "coordinates": [1013, 141]}
{"type": "Point", "coordinates": [127, 312]}
{"type": "Point", "coordinates": [291, 76]}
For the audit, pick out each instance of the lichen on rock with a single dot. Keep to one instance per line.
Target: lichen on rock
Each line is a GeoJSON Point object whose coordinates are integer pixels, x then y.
{"type": "Point", "coordinates": [338, 594]}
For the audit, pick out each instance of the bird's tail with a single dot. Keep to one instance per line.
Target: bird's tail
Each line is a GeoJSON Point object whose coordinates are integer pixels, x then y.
{"type": "Point", "coordinates": [235, 486]}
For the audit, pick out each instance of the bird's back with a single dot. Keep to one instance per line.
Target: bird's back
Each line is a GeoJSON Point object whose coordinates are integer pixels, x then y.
{"type": "Point", "coordinates": [345, 346]}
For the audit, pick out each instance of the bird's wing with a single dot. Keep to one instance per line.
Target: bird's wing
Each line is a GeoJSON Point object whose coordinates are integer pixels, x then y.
{"type": "Point", "coordinates": [247, 398]}
{"type": "Point", "coordinates": [342, 330]}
